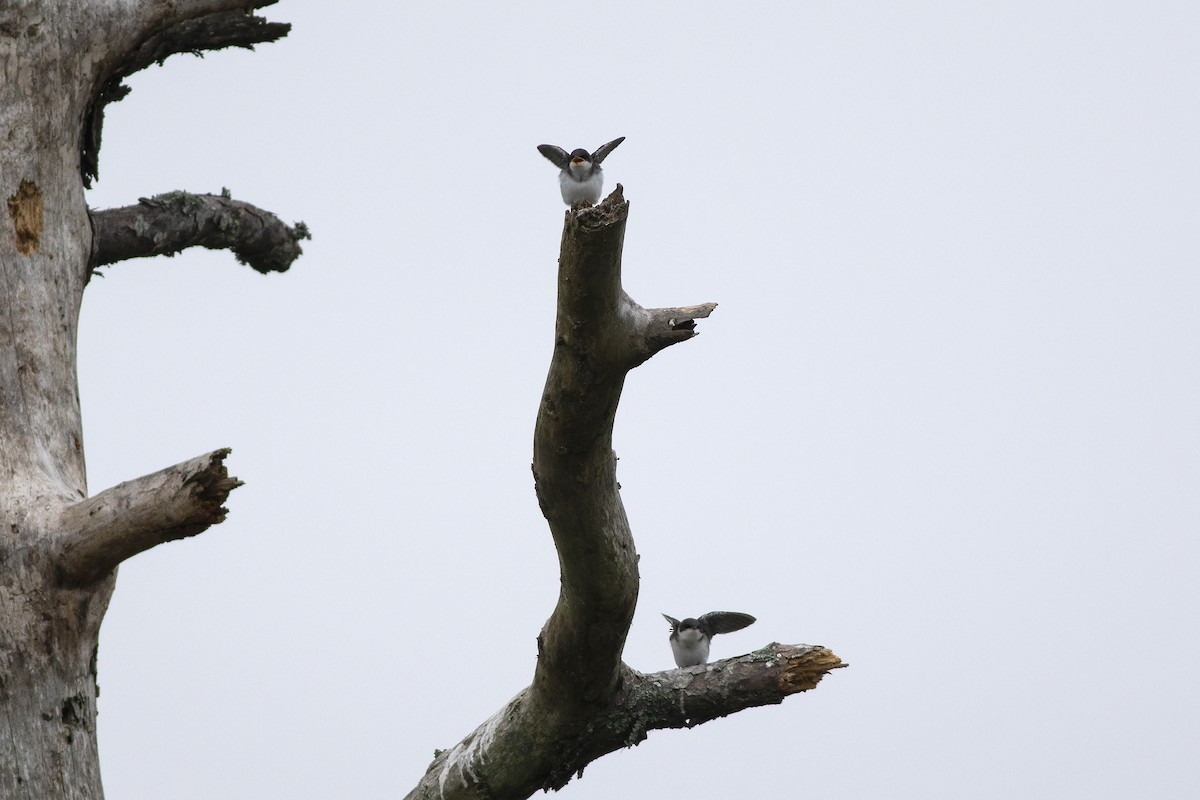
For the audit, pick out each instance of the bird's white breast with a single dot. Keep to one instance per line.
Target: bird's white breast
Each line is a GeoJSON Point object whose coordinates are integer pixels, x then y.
{"type": "Point", "coordinates": [575, 190]}
{"type": "Point", "coordinates": [689, 648]}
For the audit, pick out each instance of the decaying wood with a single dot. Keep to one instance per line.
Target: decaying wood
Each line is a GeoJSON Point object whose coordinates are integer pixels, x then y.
{"type": "Point", "coordinates": [60, 62]}
{"type": "Point", "coordinates": [167, 223]}
{"type": "Point", "coordinates": [58, 549]}
{"type": "Point", "coordinates": [132, 517]}
{"type": "Point", "coordinates": [583, 701]}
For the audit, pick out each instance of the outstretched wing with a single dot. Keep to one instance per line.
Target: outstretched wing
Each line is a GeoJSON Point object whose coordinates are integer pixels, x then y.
{"type": "Point", "coordinates": [674, 622]}
{"type": "Point", "coordinates": [603, 150]}
{"type": "Point", "coordinates": [726, 621]}
{"type": "Point", "coordinates": [555, 154]}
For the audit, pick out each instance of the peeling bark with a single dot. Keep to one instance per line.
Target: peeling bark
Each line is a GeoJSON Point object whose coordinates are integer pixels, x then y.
{"type": "Point", "coordinates": [26, 210]}
{"type": "Point", "coordinates": [167, 223]}
{"type": "Point", "coordinates": [583, 701]}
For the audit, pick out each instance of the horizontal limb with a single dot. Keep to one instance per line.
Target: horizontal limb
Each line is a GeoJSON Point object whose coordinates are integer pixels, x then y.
{"type": "Point", "coordinates": [167, 223]}
{"type": "Point", "coordinates": [118, 523]}
{"type": "Point", "coordinates": [677, 698]}
{"type": "Point", "coordinates": [162, 30]}
{"type": "Point", "coordinates": [685, 698]}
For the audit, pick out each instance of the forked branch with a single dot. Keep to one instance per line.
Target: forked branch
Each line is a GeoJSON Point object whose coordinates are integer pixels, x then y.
{"type": "Point", "coordinates": [584, 702]}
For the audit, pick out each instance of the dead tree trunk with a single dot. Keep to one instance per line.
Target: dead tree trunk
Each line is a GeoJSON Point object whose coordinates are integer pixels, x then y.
{"type": "Point", "coordinates": [584, 702]}
{"type": "Point", "coordinates": [61, 61]}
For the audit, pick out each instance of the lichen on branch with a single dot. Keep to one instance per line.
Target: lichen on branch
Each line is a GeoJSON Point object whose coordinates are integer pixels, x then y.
{"type": "Point", "coordinates": [167, 223]}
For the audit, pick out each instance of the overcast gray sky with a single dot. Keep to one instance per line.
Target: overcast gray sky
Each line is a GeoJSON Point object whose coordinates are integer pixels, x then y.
{"type": "Point", "coordinates": [945, 420]}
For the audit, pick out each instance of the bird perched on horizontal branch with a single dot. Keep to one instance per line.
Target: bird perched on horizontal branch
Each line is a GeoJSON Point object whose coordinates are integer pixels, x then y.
{"type": "Point", "coordinates": [581, 178]}
{"type": "Point", "coordinates": [690, 638]}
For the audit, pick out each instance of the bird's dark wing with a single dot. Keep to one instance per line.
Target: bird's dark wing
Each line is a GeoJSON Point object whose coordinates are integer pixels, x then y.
{"type": "Point", "coordinates": [603, 150]}
{"type": "Point", "coordinates": [555, 154]}
{"type": "Point", "coordinates": [674, 622]}
{"type": "Point", "coordinates": [726, 621]}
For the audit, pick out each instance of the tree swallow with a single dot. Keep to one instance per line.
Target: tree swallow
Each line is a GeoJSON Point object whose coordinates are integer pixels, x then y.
{"type": "Point", "coordinates": [691, 637]}
{"type": "Point", "coordinates": [581, 178]}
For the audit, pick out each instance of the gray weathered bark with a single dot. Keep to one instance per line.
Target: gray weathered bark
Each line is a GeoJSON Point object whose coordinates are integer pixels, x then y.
{"type": "Point", "coordinates": [583, 701]}
{"type": "Point", "coordinates": [60, 62]}
{"type": "Point", "coordinates": [130, 518]}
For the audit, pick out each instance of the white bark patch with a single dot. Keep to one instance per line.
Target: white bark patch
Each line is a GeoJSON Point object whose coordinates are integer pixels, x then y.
{"type": "Point", "coordinates": [464, 754]}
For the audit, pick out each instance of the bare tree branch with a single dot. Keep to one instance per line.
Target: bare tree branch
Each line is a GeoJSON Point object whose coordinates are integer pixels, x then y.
{"type": "Point", "coordinates": [167, 223]}
{"type": "Point", "coordinates": [599, 335]}
{"type": "Point", "coordinates": [211, 30]}
{"type": "Point", "coordinates": [685, 698]}
{"type": "Point", "coordinates": [660, 328]}
{"type": "Point", "coordinates": [583, 701]}
{"type": "Point", "coordinates": [175, 503]}
{"type": "Point", "coordinates": [677, 698]}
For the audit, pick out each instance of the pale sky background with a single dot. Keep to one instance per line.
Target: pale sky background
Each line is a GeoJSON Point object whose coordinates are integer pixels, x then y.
{"type": "Point", "coordinates": [945, 421]}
